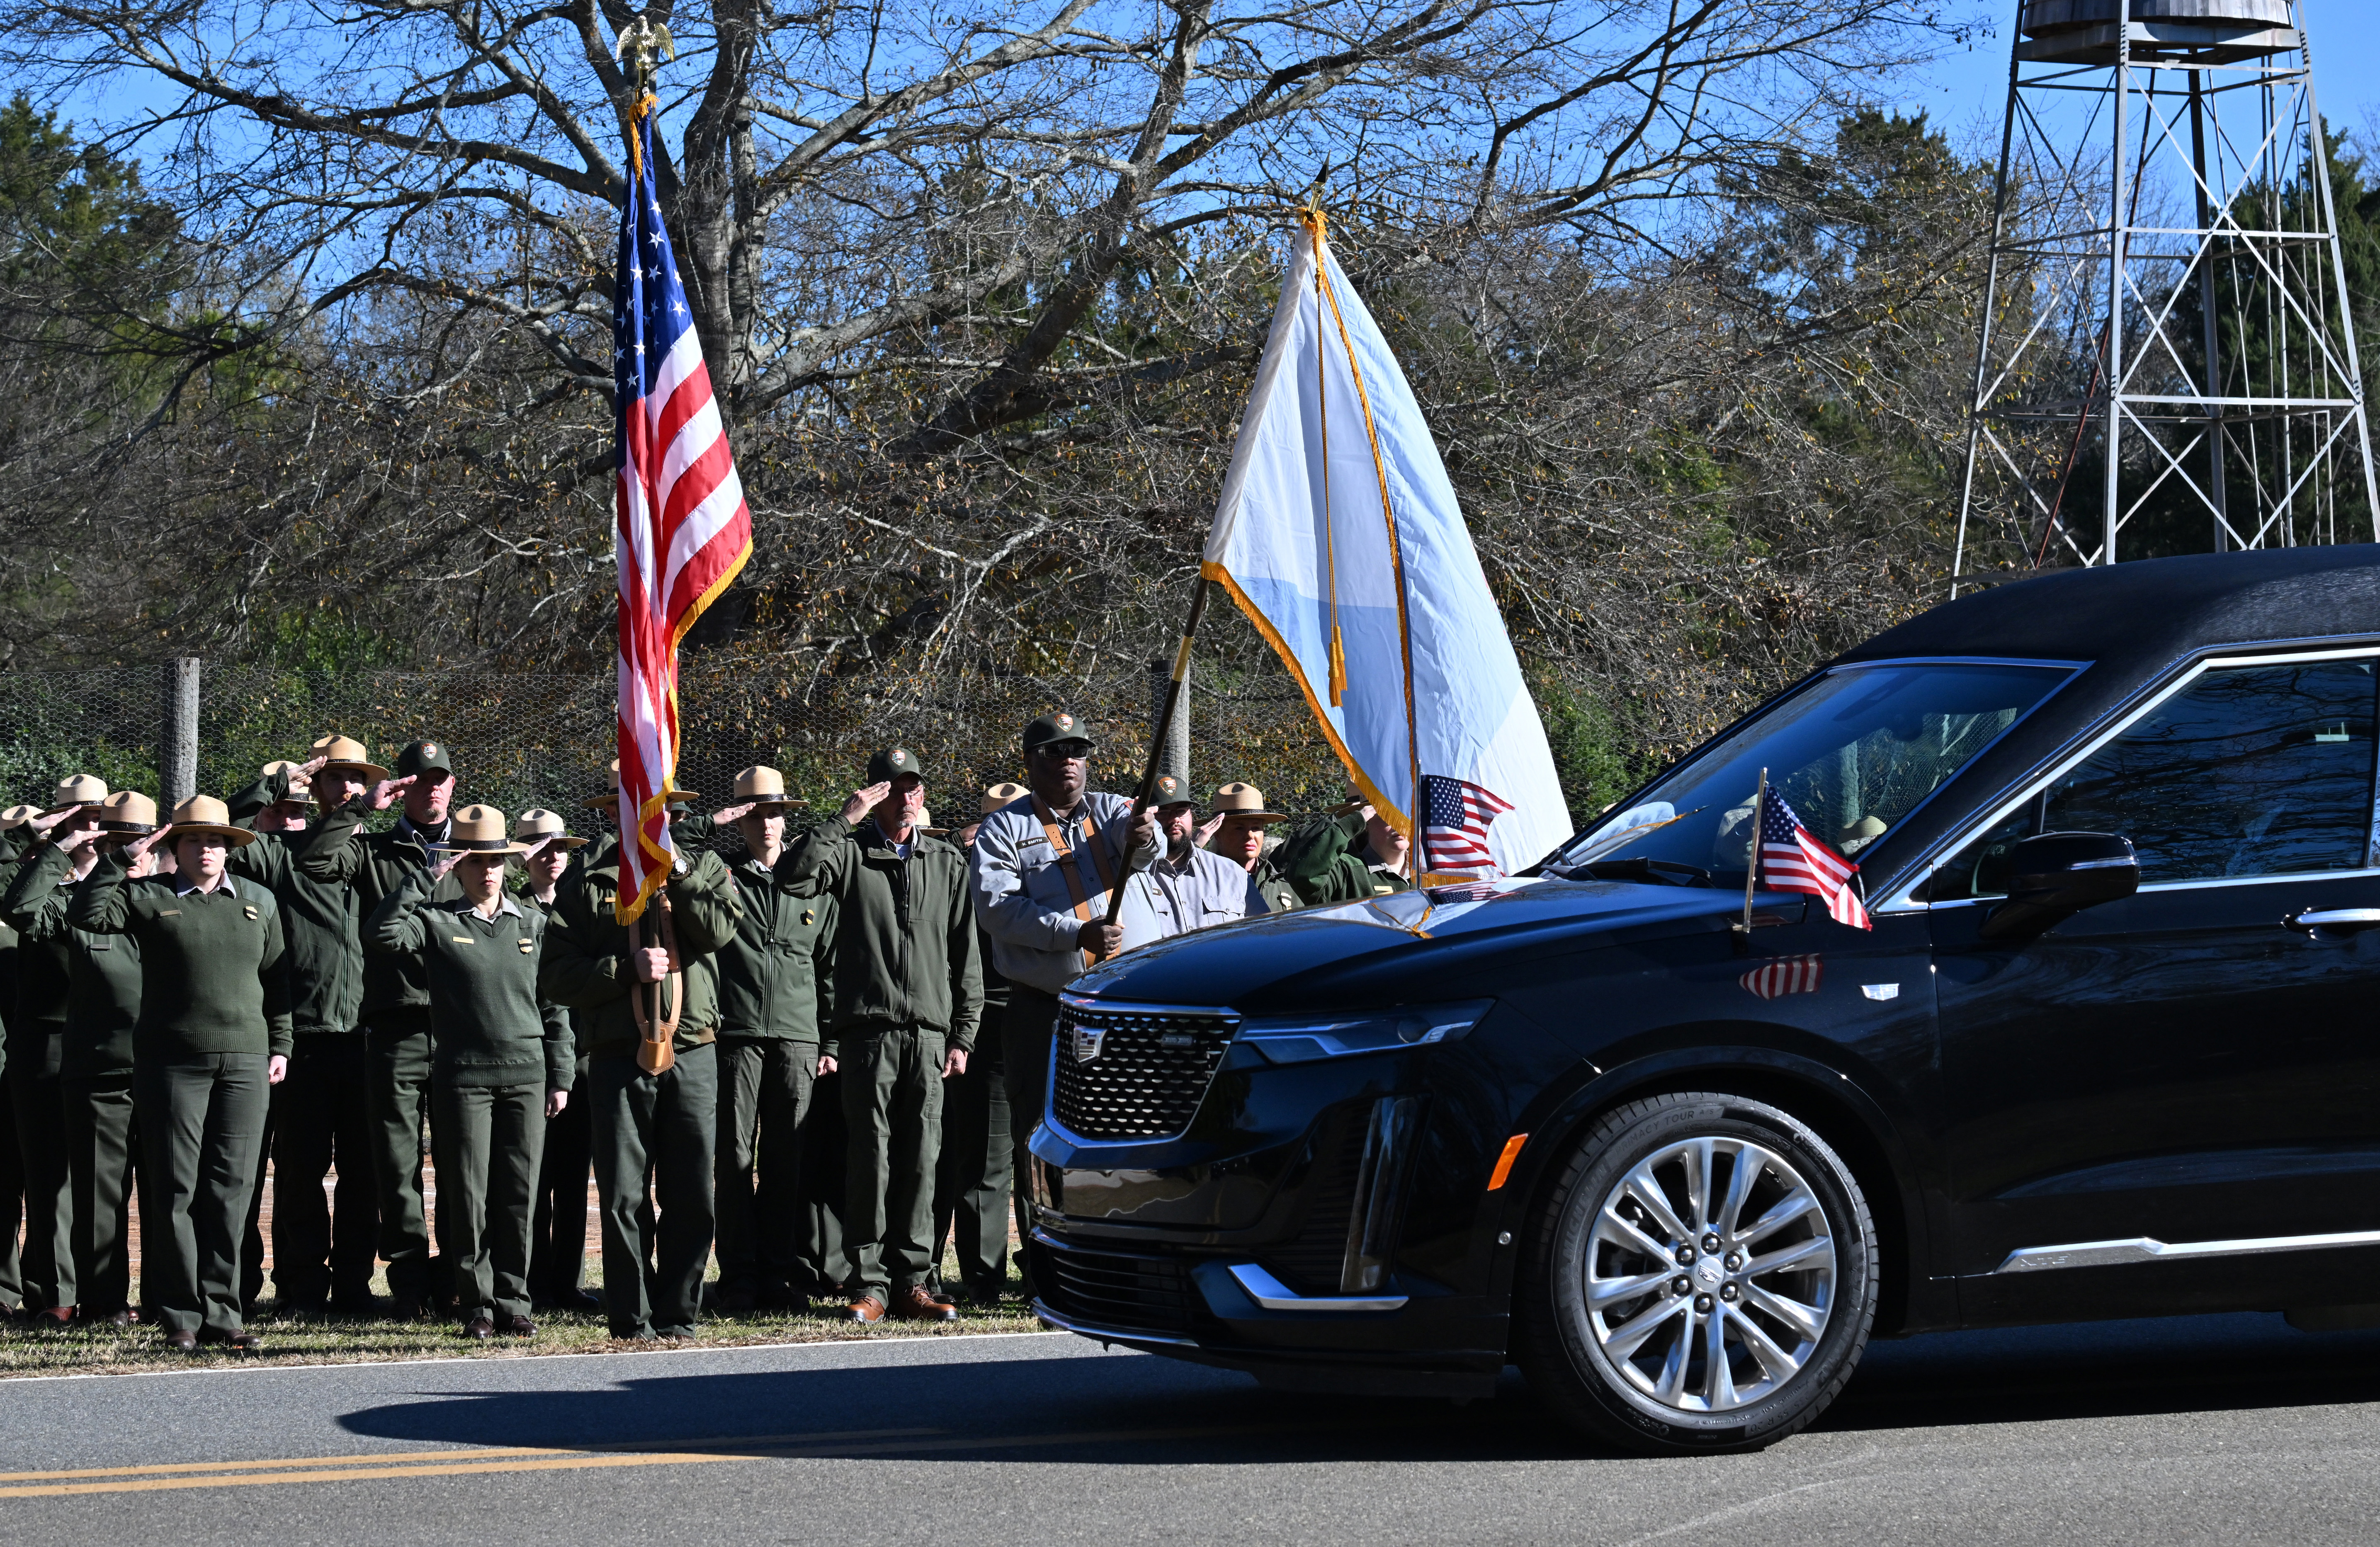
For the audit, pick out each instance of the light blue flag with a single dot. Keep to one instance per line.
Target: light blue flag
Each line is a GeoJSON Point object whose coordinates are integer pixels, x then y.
{"type": "Point", "coordinates": [1340, 536]}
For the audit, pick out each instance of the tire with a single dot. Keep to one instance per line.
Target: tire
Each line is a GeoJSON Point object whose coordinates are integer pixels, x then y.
{"type": "Point", "coordinates": [1633, 1367]}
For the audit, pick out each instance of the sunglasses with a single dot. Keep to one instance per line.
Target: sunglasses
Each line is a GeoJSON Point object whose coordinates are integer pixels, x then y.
{"type": "Point", "coordinates": [1064, 751]}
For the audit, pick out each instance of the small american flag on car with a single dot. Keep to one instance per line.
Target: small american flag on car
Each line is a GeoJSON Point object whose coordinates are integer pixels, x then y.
{"type": "Point", "coordinates": [1787, 974]}
{"type": "Point", "coordinates": [1454, 827]}
{"type": "Point", "coordinates": [1792, 860]}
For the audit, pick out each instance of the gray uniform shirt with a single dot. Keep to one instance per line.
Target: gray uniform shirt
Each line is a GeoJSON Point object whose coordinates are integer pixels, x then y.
{"type": "Point", "coordinates": [1021, 898]}
{"type": "Point", "coordinates": [1171, 898]}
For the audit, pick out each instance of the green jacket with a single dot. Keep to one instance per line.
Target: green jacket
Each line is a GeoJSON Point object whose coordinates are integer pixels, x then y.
{"type": "Point", "coordinates": [491, 1027]}
{"type": "Point", "coordinates": [10, 849]}
{"type": "Point", "coordinates": [775, 975]}
{"type": "Point", "coordinates": [375, 864]}
{"type": "Point", "coordinates": [44, 960]}
{"type": "Point", "coordinates": [905, 950]}
{"type": "Point", "coordinates": [529, 900]}
{"type": "Point", "coordinates": [215, 975]}
{"type": "Point", "coordinates": [103, 998]}
{"type": "Point", "coordinates": [324, 921]}
{"type": "Point", "coordinates": [1329, 861]}
{"type": "Point", "coordinates": [585, 966]}
{"type": "Point", "coordinates": [1279, 896]}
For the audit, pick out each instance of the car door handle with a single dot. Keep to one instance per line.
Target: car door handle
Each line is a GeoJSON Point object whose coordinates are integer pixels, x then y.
{"type": "Point", "coordinates": [2332, 918]}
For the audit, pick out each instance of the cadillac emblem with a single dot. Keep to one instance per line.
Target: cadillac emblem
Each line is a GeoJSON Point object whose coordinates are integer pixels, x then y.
{"type": "Point", "coordinates": [1085, 1043]}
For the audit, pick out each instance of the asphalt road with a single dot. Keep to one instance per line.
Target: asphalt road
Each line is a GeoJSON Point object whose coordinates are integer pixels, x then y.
{"type": "Point", "coordinates": [2221, 1429]}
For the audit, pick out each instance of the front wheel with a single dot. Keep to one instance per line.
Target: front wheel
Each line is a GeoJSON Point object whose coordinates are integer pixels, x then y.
{"type": "Point", "coordinates": [1701, 1279]}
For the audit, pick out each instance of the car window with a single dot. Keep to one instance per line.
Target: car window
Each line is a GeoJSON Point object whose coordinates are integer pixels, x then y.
{"type": "Point", "coordinates": [1854, 753]}
{"type": "Point", "coordinates": [2251, 770]}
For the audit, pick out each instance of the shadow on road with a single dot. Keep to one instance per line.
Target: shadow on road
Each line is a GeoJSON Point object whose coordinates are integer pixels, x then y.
{"type": "Point", "coordinates": [1129, 1410]}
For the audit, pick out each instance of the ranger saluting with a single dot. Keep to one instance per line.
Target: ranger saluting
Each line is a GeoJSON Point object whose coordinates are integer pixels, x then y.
{"type": "Point", "coordinates": [502, 1062]}
{"type": "Point", "coordinates": [212, 1041]}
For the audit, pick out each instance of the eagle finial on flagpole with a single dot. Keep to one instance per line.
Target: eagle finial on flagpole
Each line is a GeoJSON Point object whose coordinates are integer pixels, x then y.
{"type": "Point", "coordinates": [637, 47]}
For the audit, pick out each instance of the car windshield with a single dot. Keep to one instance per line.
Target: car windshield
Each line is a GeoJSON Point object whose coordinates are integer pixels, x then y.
{"type": "Point", "coordinates": [1853, 754]}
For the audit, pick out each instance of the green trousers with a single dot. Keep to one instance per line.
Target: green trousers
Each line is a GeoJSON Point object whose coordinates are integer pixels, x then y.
{"type": "Point", "coordinates": [662, 1129]}
{"type": "Point", "coordinates": [46, 1265]}
{"type": "Point", "coordinates": [12, 1202]}
{"type": "Point", "coordinates": [100, 1139]}
{"type": "Point", "coordinates": [764, 1099]}
{"type": "Point", "coordinates": [398, 1048]}
{"type": "Point", "coordinates": [893, 1108]}
{"type": "Point", "coordinates": [323, 1247]}
{"type": "Point", "coordinates": [201, 1134]}
{"type": "Point", "coordinates": [824, 1266]}
{"type": "Point", "coordinates": [1028, 1028]}
{"type": "Point", "coordinates": [557, 1232]}
{"type": "Point", "coordinates": [488, 1141]}
{"type": "Point", "coordinates": [971, 1178]}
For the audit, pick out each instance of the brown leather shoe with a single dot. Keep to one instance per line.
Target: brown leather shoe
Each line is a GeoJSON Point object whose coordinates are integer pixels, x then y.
{"type": "Point", "coordinates": [186, 1341]}
{"type": "Point", "coordinates": [519, 1327]}
{"type": "Point", "coordinates": [867, 1310]}
{"type": "Point", "coordinates": [481, 1327]}
{"type": "Point", "coordinates": [916, 1305]}
{"type": "Point", "coordinates": [56, 1318]}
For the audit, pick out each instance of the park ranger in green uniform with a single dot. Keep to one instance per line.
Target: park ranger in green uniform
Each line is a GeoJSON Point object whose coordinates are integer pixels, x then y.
{"type": "Point", "coordinates": [770, 978]}
{"type": "Point", "coordinates": [1242, 825]}
{"type": "Point", "coordinates": [396, 1011]}
{"type": "Point", "coordinates": [1349, 856]}
{"type": "Point", "coordinates": [12, 1160]}
{"type": "Point", "coordinates": [502, 1062]}
{"type": "Point", "coordinates": [36, 1048]}
{"type": "Point", "coordinates": [211, 1040]}
{"type": "Point", "coordinates": [908, 993]}
{"type": "Point", "coordinates": [663, 1123]}
{"type": "Point", "coordinates": [557, 1236]}
{"type": "Point", "coordinates": [95, 1062]}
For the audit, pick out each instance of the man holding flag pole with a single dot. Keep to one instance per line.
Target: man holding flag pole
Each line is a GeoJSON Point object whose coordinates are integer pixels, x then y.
{"type": "Point", "coordinates": [630, 946]}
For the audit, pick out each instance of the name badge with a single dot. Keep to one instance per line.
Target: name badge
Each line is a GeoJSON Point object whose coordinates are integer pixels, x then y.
{"type": "Point", "coordinates": [460, 939]}
{"type": "Point", "coordinates": [249, 910]}
{"type": "Point", "coordinates": [102, 944]}
{"type": "Point", "coordinates": [528, 946]}
{"type": "Point", "coordinates": [809, 916]}
{"type": "Point", "coordinates": [169, 912]}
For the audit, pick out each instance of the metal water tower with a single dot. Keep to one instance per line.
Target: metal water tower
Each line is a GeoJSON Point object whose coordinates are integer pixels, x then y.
{"type": "Point", "coordinates": [2167, 349]}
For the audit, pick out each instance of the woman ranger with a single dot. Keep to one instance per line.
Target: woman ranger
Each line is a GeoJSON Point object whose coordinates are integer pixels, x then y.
{"type": "Point", "coordinates": [212, 1039]}
{"type": "Point", "coordinates": [502, 1066]}
{"type": "Point", "coordinates": [95, 1064]}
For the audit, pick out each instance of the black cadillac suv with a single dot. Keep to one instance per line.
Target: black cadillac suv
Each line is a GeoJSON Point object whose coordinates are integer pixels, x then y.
{"type": "Point", "coordinates": [1678, 1151]}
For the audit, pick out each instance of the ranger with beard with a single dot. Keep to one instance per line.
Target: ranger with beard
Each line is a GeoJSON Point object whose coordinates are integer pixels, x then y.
{"type": "Point", "coordinates": [399, 1043]}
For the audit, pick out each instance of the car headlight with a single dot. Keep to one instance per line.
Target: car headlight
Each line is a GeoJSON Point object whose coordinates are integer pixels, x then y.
{"type": "Point", "coordinates": [1302, 1039]}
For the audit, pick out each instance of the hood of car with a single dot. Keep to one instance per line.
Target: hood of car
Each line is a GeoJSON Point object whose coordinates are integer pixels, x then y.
{"type": "Point", "coordinates": [1395, 948]}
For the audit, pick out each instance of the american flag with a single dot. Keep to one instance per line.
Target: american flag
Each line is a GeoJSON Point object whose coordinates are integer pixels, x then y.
{"type": "Point", "coordinates": [1454, 827]}
{"type": "Point", "coordinates": [1793, 861]}
{"type": "Point", "coordinates": [1787, 974]}
{"type": "Point", "coordinates": [684, 530]}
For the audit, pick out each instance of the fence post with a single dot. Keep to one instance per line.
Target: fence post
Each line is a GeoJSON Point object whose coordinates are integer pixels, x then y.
{"type": "Point", "coordinates": [178, 741]}
{"type": "Point", "coordinates": [1176, 760]}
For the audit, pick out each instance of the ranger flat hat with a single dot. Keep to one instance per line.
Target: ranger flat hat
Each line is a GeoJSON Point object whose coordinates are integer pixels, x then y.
{"type": "Point", "coordinates": [1243, 800]}
{"type": "Point", "coordinates": [610, 798]}
{"type": "Point", "coordinates": [1170, 790]}
{"type": "Point", "coordinates": [1059, 725]}
{"type": "Point", "coordinates": [924, 825]}
{"type": "Point", "coordinates": [345, 752]}
{"type": "Point", "coordinates": [479, 829]}
{"type": "Point", "coordinates": [1002, 796]}
{"type": "Point", "coordinates": [17, 816]}
{"type": "Point", "coordinates": [885, 767]}
{"type": "Point", "coordinates": [1355, 801]}
{"type": "Point", "coordinates": [301, 783]}
{"type": "Point", "coordinates": [205, 817]}
{"type": "Point", "coordinates": [80, 789]}
{"type": "Point", "coordinates": [538, 824]}
{"type": "Point", "coordinates": [763, 785]}
{"type": "Point", "coordinates": [422, 757]}
{"type": "Point", "coordinates": [129, 812]}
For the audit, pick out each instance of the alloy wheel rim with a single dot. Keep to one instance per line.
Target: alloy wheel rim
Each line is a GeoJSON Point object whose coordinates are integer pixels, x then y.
{"type": "Point", "coordinates": [1710, 1274]}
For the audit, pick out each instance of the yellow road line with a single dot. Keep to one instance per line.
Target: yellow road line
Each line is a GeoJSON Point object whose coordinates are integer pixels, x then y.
{"type": "Point", "coordinates": [447, 1463]}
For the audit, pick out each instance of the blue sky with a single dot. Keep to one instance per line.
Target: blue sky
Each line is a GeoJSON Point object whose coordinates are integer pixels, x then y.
{"type": "Point", "coordinates": [1968, 92]}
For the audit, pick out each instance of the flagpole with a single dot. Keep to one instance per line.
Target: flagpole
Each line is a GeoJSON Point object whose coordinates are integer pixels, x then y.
{"type": "Point", "coordinates": [1752, 872]}
{"type": "Point", "coordinates": [1157, 740]}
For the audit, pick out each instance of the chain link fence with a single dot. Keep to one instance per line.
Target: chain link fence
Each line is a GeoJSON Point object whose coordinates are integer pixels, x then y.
{"type": "Point", "coordinates": [526, 738]}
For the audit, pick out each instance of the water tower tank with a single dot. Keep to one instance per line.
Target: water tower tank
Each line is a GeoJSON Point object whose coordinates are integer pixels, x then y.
{"type": "Point", "coordinates": [2211, 32]}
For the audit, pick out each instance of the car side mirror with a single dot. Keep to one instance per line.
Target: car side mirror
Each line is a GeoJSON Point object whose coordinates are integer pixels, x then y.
{"type": "Point", "coordinates": [2056, 876]}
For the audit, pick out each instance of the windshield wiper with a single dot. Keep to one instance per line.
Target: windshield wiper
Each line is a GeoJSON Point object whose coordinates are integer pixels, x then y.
{"type": "Point", "coordinates": [1649, 872]}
